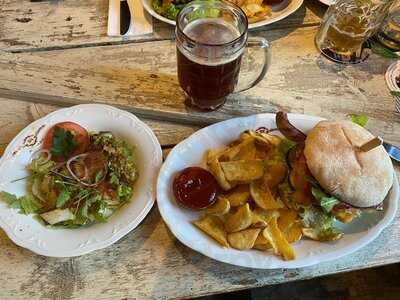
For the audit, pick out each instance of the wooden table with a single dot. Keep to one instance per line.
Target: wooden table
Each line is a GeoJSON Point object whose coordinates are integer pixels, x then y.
{"type": "Point", "coordinates": [56, 53]}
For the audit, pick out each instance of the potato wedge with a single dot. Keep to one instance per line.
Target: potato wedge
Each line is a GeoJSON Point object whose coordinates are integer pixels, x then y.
{"type": "Point", "coordinates": [261, 217]}
{"type": "Point", "coordinates": [239, 195]}
{"type": "Point", "coordinates": [243, 170]}
{"type": "Point", "coordinates": [278, 241]}
{"type": "Point", "coordinates": [263, 197]}
{"type": "Point", "coordinates": [247, 151]}
{"type": "Point", "coordinates": [215, 168]}
{"type": "Point", "coordinates": [290, 225]}
{"type": "Point", "coordinates": [294, 233]}
{"type": "Point", "coordinates": [240, 220]}
{"type": "Point", "coordinates": [243, 240]}
{"type": "Point", "coordinates": [275, 174]}
{"type": "Point", "coordinates": [214, 227]}
{"type": "Point", "coordinates": [287, 217]}
{"type": "Point", "coordinates": [261, 243]}
{"type": "Point", "coordinates": [220, 207]}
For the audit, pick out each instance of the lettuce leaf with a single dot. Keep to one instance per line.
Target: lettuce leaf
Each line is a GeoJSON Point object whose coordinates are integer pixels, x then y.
{"type": "Point", "coordinates": [320, 223]}
{"type": "Point", "coordinates": [327, 202]}
{"type": "Point", "coordinates": [29, 204]}
{"type": "Point", "coordinates": [359, 119]}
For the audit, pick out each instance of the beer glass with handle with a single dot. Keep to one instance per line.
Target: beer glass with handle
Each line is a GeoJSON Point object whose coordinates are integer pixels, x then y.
{"type": "Point", "coordinates": [346, 26]}
{"type": "Point", "coordinates": [211, 37]}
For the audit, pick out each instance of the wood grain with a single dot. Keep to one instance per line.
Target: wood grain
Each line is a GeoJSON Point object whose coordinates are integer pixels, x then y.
{"type": "Point", "coordinates": [44, 25]}
{"type": "Point", "coordinates": [142, 78]}
{"type": "Point", "coordinates": [19, 114]}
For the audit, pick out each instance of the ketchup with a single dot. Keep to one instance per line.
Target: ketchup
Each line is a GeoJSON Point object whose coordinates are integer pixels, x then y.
{"type": "Point", "coordinates": [195, 188]}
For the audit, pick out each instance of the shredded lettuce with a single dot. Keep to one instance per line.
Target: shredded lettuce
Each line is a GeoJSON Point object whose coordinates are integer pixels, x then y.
{"type": "Point", "coordinates": [29, 205]}
{"type": "Point", "coordinates": [327, 202]}
{"type": "Point", "coordinates": [320, 223]}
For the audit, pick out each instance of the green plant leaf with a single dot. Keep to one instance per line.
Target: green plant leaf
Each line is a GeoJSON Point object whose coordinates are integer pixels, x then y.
{"type": "Point", "coordinates": [361, 120]}
{"type": "Point", "coordinates": [380, 50]}
{"type": "Point", "coordinates": [63, 198]}
{"type": "Point", "coordinates": [63, 142]}
{"type": "Point", "coordinates": [29, 204]}
{"type": "Point", "coordinates": [326, 202]}
{"type": "Point", "coordinates": [395, 93]}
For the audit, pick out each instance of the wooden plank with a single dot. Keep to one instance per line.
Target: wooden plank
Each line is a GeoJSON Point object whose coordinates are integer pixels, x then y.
{"type": "Point", "coordinates": [19, 114]}
{"type": "Point", "coordinates": [33, 25]}
{"type": "Point", "coordinates": [142, 78]}
{"type": "Point", "coordinates": [150, 263]}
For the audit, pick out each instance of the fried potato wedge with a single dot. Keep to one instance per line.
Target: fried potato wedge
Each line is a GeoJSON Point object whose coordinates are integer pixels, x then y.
{"type": "Point", "coordinates": [220, 207]}
{"type": "Point", "coordinates": [240, 220]}
{"type": "Point", "coordinates": [215, 168]}
{"type": "Point", "coordinates": [290, 225]}
{"type": "Point", "coordinates": [294, 232]}
{"type": "Point", "coordinates": [243, 170]}
{"type": "Point", "coordinates": [247, 151]}
{"type": "Point", "coordinates": [243, 240]}
{"type": "Point", "coordinates": [261, 243]}
{"type": "Point", "coordinates": [287, 217]}
{"type": "Point", "coordinates": [275, 174]}
{"type": "Point", "coordinates": [261, 217]}
{"type": "Point", "coordinates": [214, 227]}
{"type": "Point", "coordinates": [239, 195]}
{"type": "Point", "coordinates": [278, 241]}
{"type": "Point", "coordinates": [263, 197]}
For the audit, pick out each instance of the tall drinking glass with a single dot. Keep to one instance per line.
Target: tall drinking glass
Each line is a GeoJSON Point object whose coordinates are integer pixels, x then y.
{"type": "Point", "coordinates": [389, 33]}
{"type": "Point", "coordinates": [346, 26]}
{"type": "Point", "coordinates": [211, 37]}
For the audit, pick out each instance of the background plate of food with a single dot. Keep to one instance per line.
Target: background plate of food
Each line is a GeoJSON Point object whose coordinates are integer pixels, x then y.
{"type": "Point", "coordinates": [242, 194]}
{"type": "Point", "coordinates": [78, 180]}
{"type": "Point", "coordinates": [258, 12]}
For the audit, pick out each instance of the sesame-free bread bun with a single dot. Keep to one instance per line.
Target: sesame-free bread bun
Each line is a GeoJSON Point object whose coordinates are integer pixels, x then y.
{"type": "Point", "coordinates": [361, 179]}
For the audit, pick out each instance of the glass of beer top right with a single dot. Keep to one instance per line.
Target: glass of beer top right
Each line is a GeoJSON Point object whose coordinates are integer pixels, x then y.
{"type": "Point", "coordinates": [346, 26]}
{"type": "Point", "coordinates": [211, 37]}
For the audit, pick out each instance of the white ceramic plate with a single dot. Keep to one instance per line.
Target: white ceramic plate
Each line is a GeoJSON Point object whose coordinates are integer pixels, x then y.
{"type": "Point", "coordinates": [190, 152]}
{"type": "Point", "coordinates": [392, 72]}
{"type": "Point", "coordinates": [28, 233]}
{"type": "Point", "coordinates": [277, 14]}
{"type": "Point", "coordinates": [327, 2]}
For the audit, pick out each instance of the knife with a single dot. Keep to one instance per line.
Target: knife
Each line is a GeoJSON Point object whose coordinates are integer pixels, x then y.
{"type": "Point", "coordinates": [393, 151]}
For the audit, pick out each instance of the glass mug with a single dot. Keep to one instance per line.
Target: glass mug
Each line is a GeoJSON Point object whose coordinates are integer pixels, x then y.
{"type": "Point", "coordinates": [211, 37]}
{"type": "Point", "coordinates": [346, 26]}
{"type": "Point", "coordinates": [389, 33]}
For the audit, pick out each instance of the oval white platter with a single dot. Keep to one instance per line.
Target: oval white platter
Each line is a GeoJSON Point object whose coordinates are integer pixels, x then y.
{"type": "Point", "coordinates": [391, 74]}
{"type": "Point", "coordinates": [277, 13]}
{"type": "Point", "coordinates": [26, 232]}
{"type": "Point", "coordinates": [190, 152]}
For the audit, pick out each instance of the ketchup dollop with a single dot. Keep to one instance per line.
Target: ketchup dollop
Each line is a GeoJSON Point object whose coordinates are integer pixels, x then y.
{"type": "Point", "coordinates": [195, 188]}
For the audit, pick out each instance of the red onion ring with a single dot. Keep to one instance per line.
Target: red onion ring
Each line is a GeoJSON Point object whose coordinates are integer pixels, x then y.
{"type": "Point", "coordinates": [37, 154]}
{"type": "Point", "coordinates": [69, 164]}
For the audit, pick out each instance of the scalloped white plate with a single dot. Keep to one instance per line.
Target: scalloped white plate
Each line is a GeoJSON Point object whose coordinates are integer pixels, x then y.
{"type": "Point", "coordinates": [277, 13]}
{"type": "Point", "coordinates": [190, 152]}
{"type": "Point", "coordinates": [392, 72]}
{"type": "Point", "coordinates": [28, 233]}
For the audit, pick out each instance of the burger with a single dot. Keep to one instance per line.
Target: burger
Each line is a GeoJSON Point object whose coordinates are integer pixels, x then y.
{"type": "Point", "coordinates": [332, 177]}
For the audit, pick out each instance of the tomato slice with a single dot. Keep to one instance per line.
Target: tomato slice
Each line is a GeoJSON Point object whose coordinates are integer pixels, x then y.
{"type": "Point", "coordinates": [80, 134]}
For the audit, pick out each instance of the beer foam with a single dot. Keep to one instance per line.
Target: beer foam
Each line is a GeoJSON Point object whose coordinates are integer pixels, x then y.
{"type": "Point", "coordinates": [213, 32]}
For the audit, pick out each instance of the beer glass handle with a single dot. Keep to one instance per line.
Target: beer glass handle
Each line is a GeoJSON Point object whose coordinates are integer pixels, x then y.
{"type": "Point", "coordinates": [264, 46]}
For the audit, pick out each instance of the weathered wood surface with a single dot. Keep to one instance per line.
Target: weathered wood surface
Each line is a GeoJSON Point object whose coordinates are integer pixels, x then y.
{"type": "Point", "coordinates": [38, 25]}
{"type": "Point", "coordinates": [149, 262]}
{"type": "Point", "coordinates": [142, 78]}
{"type": "Point", "coordinates": [15, 115]}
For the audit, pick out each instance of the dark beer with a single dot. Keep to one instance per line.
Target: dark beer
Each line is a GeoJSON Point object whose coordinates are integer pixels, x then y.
{"type": "Point", "coordinates": [206, 74]}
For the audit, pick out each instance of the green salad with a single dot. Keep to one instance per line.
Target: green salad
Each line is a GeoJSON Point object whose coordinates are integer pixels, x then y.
{"type": "Point", "coordinates": [168, 8]}
{"type": "Point", "coordinates": [77, 178]}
